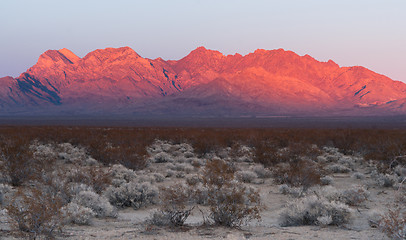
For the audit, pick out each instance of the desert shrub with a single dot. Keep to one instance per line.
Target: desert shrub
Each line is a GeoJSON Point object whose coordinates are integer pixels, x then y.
{"type": "Point", "coordinates": [174, 201]}
{"type": "Point", "coordinates": [132, 194]}
{"type": "Point", "coordinates": [321, 159]}
{"type": "Point", "coordinates": [16, 155]}
{"type": "Point", "coordinates": [354, 196]}
{"type": "Point", "coordinates": [246, 176]}
{"type": "Point", "coordinates": [72, 154]}
{"type": "Point", "coordinates": [77, 214]}
{"type": "Point", "coordinates": [35, 212]}
{"type": "Point", "coordinates": [346, 161]}
{"type": "Point", "coordinates": [384, 180]}
{"type": "Point", "coordinates": [180, 167]}
{"type": "Point", "coordinates": [188, 154]}
{"type": "Point", "coordinates": [162, 157]}
{"type": "Point", "coordinates": [400, 171]}
{"type": "Point", "coordinates": [301, 173]}
{"type": "Point", "coordinates": [97, 177]}
{"type": "Point", "coordinates": [231, 204]}
{"type": "Point", "coordinates": [374, 217]}
{"type": "Point", "coordinates": [73, 188]}
{"type": "Point", "coordinates": [159, 218]}
{"type": "Point", "coordinates": [338, 168]}
{"type": "Point", "coordinates": [217, 173]}
{"type": "Point", "coordinates": [234, 205]}
{"type": "Point", "coordinates": [358, 175]}
{"type": "Point", "coordinates": [4, 191]}
{"type": "Point", "coordinates": [170, 173]}
{"type": "Point", "coordinates": [192, 180]}
{"type": "Point", "coordinates": [293, 191]}
{"type": "Point", "coordinates": [326, 180]}
{"type": "Point", "coordinates": [393, 224]}
{"type": "Point", "coordinates": [311, 209]}
{"type": "Point", "coordinates": [199, 194]}
{"type": "Point", "coordinates": [99, 204]}
{"type": "Point", "coordinates": [121, 174]}
{"type": "Point", "coordinates": [261, 171]}
{"type": "Point", "coordinates": [159, 177]}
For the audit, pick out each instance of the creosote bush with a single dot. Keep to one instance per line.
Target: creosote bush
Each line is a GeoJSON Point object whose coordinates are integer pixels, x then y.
{"type": "Point", "coordinates": [299, 173]}
{"type": "Point", "coordinates": [393, 224]}
{"type": "Point", "coordinates": [231, 203]}
{"type": "Point", "coordinates": [36, 212]}
{"type": "Point", "coordinates": [174, 204]}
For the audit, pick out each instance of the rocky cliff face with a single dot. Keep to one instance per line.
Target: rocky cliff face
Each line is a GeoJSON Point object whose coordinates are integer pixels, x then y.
{"type": "Point", "coordinates": [274, 82]}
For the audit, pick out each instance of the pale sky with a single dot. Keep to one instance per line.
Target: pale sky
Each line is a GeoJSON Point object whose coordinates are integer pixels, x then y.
{"type": "Point", "coordinates": [369, 33]}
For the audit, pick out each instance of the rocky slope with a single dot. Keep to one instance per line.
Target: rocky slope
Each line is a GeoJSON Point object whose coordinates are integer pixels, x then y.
{"type": "Point", "coordinates": [205, 82]}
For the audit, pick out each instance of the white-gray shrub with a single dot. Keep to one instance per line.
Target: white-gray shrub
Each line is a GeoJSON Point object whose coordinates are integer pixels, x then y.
{"type": "Point", "coordinates": [99, 204]}
{"type": "Point", "coordinates": [384, 180]}
{"type": "Point", "coordinates": [145, 177]}
{"type": "Point", "coordinates": [192, 179]}
{"type": "Point", "coordinates": [170, 173]}
{"type": "Point", "coordinates": [77, 214]}
{"type": "Point", "coordinates": [374, 217]}
{"type": "Point", "coordinates": [132, 194]}
{"type": "Point", "coordinates": [358, 175]}
{"type": "Point", "coordinates": [400, 170]}
{"type": "Point", "coordinates": [178, 166]}
{"type": "Point", "coordinates": [180, 174]}
{"type": "Point", "coordinates": [346, 161]}
{"type": "Point", "coordinates": [159, 177]}
{"type": "Point", "coordinates": [5, 189]}
{"type": "Point", "coordinates": [188, 154]}
{"type": "Point", "coordinates": [261, 171]}
{"type": "Point", "coordinates": [321, 159]}
{"type": "Point", "coordinates": [72, 154]}
{"type": "Point", "coordinates": [158, 218]}
{"type": "Point", "coordinates": [354, 196]}
{"type": "Point", "coordinates": [74, 188]}
{"type": "Point", "coordinates": [307, 211]}
{"type": "Point", "coordinates": [324, 220]}
{"type": "Point", "coordinates": [197, 162]}
{"type": "Point", "coordinates": [293, 191]}
{"type": "Point", "coordinates": [122, 174]}
{"type": "Point", "coordinates": [338, 168]}
{"type": "Point", "coordinates": [326, 180]}
{"type": "Point", "coordinates": [162, 157]}
{"type": "Point", "coordinates": [246, 176]}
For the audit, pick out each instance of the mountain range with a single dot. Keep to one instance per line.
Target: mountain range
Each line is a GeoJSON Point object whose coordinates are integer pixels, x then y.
{"type": "Point", "coordinates": [204, 83]}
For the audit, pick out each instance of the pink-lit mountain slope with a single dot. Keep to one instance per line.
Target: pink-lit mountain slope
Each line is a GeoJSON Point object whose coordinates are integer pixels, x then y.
{"type": "Point", "coordinates": [205, 82]}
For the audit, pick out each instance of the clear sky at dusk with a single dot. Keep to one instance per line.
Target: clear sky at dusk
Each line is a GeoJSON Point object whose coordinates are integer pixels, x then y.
{"type": "Point", "coordinates": [369, 33]}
